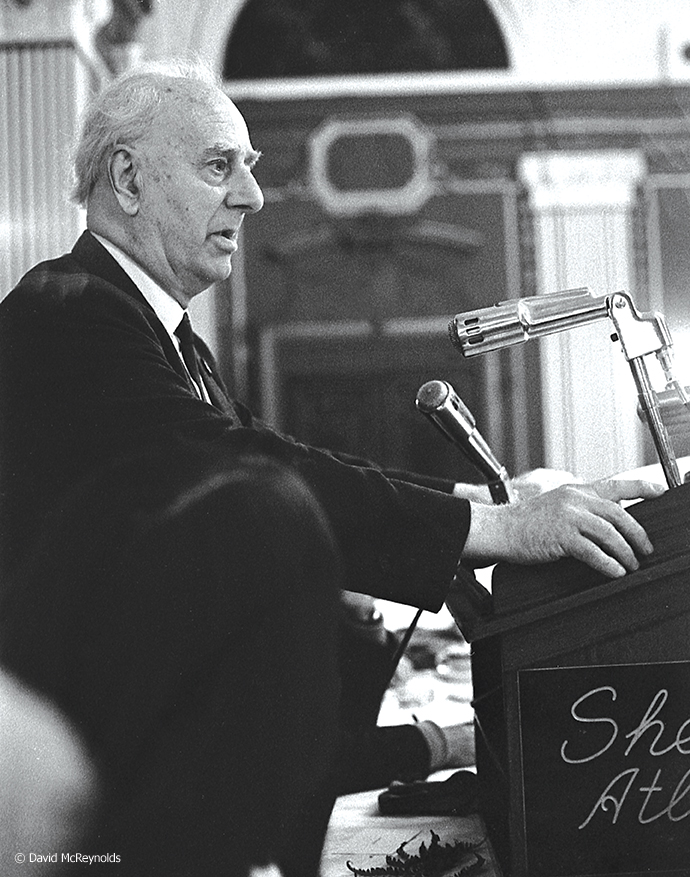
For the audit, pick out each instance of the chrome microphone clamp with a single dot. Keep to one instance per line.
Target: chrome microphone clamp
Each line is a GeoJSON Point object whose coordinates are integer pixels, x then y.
{"type": "Point", "coordinates": [640, 334]}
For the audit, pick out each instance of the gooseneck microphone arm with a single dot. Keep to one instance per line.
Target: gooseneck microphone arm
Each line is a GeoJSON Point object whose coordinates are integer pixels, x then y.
{"type": "Point", "coordinates": [439, 403]}
{"type": "Point", "coordinates": [640, 334]}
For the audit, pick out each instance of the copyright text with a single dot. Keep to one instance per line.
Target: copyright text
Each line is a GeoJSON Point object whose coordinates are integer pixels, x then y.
{"type": "Point", "coordinates": [72, 858]}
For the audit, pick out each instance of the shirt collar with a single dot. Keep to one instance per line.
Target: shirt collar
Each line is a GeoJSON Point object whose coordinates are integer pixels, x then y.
{"type": "Point", "coordinates": [168, 310]}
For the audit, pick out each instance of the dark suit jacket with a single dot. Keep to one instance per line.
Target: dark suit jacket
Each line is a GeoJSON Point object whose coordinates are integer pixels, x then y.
{"type": "Point", "coordinates": [89, 374]}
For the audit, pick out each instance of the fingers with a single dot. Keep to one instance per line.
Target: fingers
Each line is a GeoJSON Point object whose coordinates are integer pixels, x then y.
{"type": "Point", "coordinates": [613, 548]}
{"type": "Point", "coordinates": [615, 534]}
{"type": "Point", "coordinates": [538, 481]}
{"type": "Point", "coordinates": [599, 544]}
{"type": "Point", "coordinates": [630, 529]}
{"type": "Point", "coordinates": [611, 539]}
{"type": "Point", "coordinates": [617, 489]}
{"type": "Point", "coordinates": [589, 553]}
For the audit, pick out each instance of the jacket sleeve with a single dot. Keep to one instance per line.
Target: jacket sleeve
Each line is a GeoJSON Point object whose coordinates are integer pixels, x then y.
{"type": "Point", "coordinates": [106, 384]}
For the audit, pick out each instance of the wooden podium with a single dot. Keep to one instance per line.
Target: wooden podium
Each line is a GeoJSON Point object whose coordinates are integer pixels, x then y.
{"type": "Point", "coordinates": [582, 704]}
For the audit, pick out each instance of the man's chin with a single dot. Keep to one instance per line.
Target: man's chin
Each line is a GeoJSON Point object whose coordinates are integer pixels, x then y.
{"type": "Point", "coordinates": [219, 272]}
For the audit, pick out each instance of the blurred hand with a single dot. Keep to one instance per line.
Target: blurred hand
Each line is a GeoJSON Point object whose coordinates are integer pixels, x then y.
{"type": "Point", "coordinates": [574, 520]}
{"type": "Point", "coordinates": [538, 481]}
{"type": "Point", "coordinates": [525, 486]}
{"type": "Point", "coordinates": [449, 746]}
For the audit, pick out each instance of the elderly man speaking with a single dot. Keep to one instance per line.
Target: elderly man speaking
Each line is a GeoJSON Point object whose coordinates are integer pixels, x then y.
{"type": "Point", "coordinates": [98, 364]}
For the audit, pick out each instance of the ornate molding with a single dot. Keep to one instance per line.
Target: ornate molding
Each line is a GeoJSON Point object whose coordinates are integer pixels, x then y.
{"type": "Point", "coordinates": [384, 188]}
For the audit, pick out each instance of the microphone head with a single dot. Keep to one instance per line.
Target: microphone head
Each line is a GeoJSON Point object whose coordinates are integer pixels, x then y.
{"type": "Point", "coordinates": [486, 329]}
{"type": "Point", "coordinates": [440, 404]}
{"type": "Point", "coordinates": [431, 396]}
{"type": "Point", "coordinates": [512, 322]}
{"type": "Point", "coordinates": [439, 399]}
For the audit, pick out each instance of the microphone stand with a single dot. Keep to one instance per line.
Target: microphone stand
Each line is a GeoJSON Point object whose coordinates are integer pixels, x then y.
{"type": "Point", "coordinates": [640, 335]}
{"type": "Point", "coordinates": [440, 404]}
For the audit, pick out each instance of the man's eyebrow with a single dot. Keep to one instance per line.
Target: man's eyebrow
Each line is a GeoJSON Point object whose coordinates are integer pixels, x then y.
{"type": "Point", "coordinates": [251, 156]}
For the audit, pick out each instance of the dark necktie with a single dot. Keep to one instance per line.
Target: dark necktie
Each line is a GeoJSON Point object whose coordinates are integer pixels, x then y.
{"type": "Point", "coordinates": [202, 372]}
{"type": "Point", "coordinates": [188, 350]}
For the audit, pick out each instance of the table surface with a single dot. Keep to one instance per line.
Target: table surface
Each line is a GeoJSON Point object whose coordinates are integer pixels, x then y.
{"type": "Point", "coordinates": [358, 834]}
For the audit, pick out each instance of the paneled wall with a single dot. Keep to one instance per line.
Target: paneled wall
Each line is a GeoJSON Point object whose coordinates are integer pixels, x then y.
{"type": "Point", "coordinates": [337, 314]}
{"type": "Point", "coordinates": [340, 312]}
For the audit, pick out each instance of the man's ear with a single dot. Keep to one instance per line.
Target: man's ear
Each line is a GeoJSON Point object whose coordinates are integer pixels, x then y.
{"type": "Point", "coordinates": [124, 179]}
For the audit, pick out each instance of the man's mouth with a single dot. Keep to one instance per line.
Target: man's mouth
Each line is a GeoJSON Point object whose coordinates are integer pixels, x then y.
{"type": "Point", "coordinates": [226, 239]}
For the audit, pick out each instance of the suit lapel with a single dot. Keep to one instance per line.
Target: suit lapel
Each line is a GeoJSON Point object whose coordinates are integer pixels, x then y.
{"type": "Point", "coordinates": [97, 260]}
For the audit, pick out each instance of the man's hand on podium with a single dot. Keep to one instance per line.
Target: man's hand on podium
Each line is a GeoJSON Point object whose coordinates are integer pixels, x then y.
{"type": "Point", "coordinates": [584, 521]}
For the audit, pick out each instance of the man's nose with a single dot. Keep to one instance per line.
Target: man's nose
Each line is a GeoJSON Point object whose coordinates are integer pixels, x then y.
{"type": "Point", "coordinates": [245, 193]}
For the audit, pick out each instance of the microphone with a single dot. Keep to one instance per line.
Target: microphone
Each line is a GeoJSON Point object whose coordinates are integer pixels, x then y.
{"type": "Point", "coordinates": [512, 322]}
{"type": "Point", "coordinates": [439, 402]}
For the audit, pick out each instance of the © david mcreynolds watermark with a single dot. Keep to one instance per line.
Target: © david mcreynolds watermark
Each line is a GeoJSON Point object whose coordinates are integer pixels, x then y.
{"type": "Point", "coordinates": [72, 858]}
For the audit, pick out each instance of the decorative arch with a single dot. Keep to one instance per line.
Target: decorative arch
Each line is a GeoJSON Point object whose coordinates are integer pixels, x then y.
{"type": "Point", "coordinates": [294, 38]}
{"type": "Point", "coordinates": [214, 22]}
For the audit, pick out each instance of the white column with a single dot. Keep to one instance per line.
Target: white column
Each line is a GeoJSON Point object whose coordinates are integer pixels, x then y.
{"type": "Point", "coordinates": [582, 206]}
{"type": "Point", "coordinates": [43, 84]}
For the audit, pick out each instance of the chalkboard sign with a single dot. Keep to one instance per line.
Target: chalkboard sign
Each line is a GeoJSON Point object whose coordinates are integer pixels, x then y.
{"type": "Point", "coordinates": [606, 769]}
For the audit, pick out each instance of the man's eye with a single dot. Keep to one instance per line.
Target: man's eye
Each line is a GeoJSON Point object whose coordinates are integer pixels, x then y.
{"type": "Point", "coordinates": [219, 165]}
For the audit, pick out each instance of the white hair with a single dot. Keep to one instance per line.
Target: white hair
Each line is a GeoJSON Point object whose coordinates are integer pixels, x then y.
{"type": "Point", "coordinates": [125, 110]}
